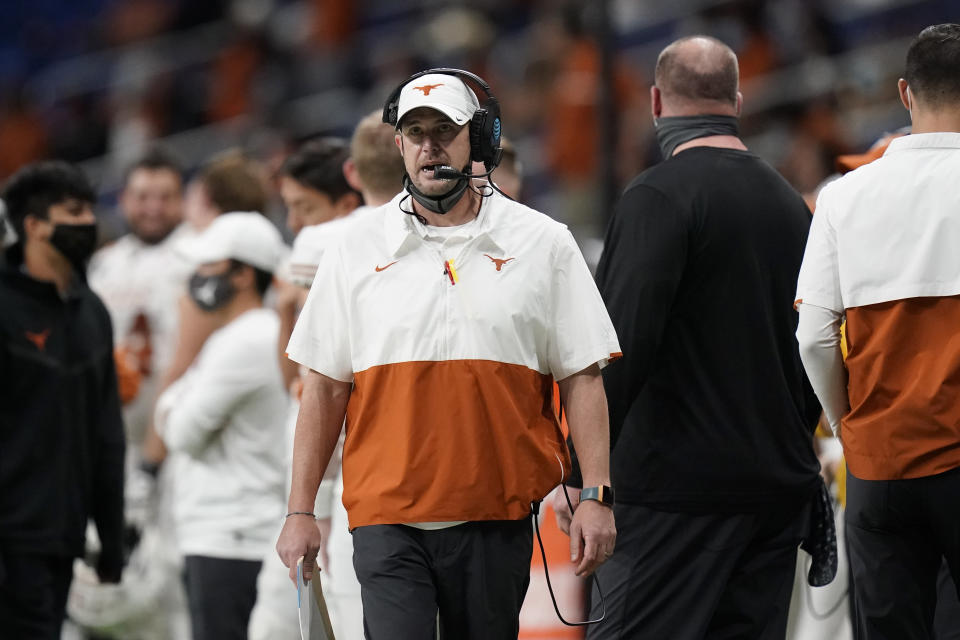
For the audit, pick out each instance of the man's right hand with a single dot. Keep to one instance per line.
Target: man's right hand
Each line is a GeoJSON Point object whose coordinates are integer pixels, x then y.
{"type": "Point", "coordinates": [300, 537]}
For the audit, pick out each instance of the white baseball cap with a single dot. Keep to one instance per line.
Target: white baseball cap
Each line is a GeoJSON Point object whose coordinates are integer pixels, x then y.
{"type": "Point", "coordinates": [445, 93]}
{"type": "Point", "coordinates": [246, 236]}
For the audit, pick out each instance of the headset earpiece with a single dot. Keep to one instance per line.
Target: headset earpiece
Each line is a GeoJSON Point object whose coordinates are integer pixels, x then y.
{"type": "Point", "coordinates": [485, 134]}
{"type": "Point", "coordinates": [488, 144]}
{"type": "Point", "coordinates": [477, 130]}
{"type": "Point", "coordinates": [390, 113]}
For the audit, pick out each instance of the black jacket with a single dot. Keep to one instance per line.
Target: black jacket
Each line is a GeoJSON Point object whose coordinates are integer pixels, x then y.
{"type": "Point", "coordinates": [710, 409]}
{"type": "Point", "coordinates": [61, 430]}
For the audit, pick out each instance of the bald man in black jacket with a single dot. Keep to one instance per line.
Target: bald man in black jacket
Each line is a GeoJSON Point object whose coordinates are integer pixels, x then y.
{"type": "Point", "coordinates": [710, 411]}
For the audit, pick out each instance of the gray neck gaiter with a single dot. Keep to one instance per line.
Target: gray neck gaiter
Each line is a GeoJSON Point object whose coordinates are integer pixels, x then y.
{"type": "Point", "coordinates": [675, 130]}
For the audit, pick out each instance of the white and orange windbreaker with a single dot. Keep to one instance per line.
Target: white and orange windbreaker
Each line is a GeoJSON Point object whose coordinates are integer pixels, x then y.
{"type": "Point", "coordinates": [883, 252]}
{"type": "Point", "coordinates": [453, 359]}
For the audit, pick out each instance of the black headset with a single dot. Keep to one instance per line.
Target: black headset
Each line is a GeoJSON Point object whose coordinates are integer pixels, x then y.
{"type": "Point", "coordinates": [484, 126]}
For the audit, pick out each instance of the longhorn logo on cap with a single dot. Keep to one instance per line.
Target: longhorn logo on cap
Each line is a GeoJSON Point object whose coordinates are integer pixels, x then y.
{"type": "Point", "coordinates": [427, 88]}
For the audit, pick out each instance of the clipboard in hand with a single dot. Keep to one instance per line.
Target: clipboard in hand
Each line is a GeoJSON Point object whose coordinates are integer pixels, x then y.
{"type": "Point", "coordinates": [314, 618]}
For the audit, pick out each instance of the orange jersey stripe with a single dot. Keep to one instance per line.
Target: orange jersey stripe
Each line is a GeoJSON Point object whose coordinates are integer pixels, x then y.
{"type": "Point", "coordinates": [450, 440]}
{"type": "Point", "coordinates": [904, 379]}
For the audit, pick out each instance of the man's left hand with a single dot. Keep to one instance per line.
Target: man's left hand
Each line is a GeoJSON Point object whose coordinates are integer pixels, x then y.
{"type": "Point", "coordinates": [561, 510]}
{"type": "Point", "coordinates": [593, 536]}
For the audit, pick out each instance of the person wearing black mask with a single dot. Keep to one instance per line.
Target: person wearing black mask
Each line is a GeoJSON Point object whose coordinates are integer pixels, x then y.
{"type": "Point", "coordinates": [711, 416]}
{"type": "Point", "coordinates": [61, 441]}
{"type": "Point", "coordinates": [223, 422]}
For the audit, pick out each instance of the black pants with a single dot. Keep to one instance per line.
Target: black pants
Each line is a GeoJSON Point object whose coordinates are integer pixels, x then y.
{"type": "Point", "coordinates": [475, 575]}
{"type": "Point", "coordinates": [898, 533]}
{"type": "Point", "coordinates": [946, 621]}
{"type": "Point", "coordinates": [694, 576]}
{"type": "Point", "coordinates": [33, 595]}
{"type": "Point", "coordinates": [221, 593]}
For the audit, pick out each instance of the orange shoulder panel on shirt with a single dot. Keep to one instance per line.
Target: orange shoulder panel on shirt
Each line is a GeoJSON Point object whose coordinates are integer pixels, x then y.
{"type": "Point", "coordinates": [450, 440]}
{"type": "Point", "coordinates": [904, 381]}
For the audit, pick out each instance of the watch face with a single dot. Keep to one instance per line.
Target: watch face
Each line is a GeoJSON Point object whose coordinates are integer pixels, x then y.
{"type": "Point", "coordinates": [606, 495]}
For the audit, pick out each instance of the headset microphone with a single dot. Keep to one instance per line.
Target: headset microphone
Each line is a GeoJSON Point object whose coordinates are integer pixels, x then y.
{"type": "Point", "coordinates": [445, 172]}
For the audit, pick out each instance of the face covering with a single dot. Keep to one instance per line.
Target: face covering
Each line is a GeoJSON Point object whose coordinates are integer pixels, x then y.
{"type": "Point", "coordinates": [438, 204]}
{"type": "Point", "coordinates": [211, 292]}
{"type": "Point", "coordinates": [675, 130]}
{"type": "Point", "coordinates": [75, 241]}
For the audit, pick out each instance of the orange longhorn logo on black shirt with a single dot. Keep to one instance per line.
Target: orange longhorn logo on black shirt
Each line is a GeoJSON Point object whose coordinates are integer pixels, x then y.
{"type": "Point", "coordinates": [39, 339]}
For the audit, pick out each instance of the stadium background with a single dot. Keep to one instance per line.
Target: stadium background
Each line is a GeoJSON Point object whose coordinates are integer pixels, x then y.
{"type": "Point", "coordinates": [98, 82]}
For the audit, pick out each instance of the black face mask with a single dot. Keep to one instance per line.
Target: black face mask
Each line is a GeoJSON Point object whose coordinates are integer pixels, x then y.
{"type": "Point", "coordinates": [673, 131]}
{"type": "Point", "coordinates": [211, 292]}
{"type": "Point", "coordinates": [438, 204]}
{"type": "Point", "coordinates": [75, 241]}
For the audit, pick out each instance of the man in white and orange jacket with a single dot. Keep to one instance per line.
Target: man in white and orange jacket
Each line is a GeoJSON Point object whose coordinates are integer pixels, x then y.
{"type": "Point", "coordinates": [442, 320]}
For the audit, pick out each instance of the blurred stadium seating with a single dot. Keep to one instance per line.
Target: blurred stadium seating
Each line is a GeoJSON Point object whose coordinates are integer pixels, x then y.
{"type": "Point", "coordinates": [98, 81]}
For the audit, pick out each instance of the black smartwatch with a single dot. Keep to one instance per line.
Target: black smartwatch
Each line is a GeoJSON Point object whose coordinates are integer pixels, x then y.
{"type": "Point", "coordinates": [602, 494]}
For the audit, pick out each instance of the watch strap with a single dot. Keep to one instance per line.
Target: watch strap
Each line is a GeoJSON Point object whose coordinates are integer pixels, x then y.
{"type": "Point", "coordinates": [602, 494]}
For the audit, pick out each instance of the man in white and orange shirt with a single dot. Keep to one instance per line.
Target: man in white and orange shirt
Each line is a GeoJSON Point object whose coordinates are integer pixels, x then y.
{"type": "Point", "coordinates": [442, 320]}
{"type": "Point", "coordinates": [882, 253]}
